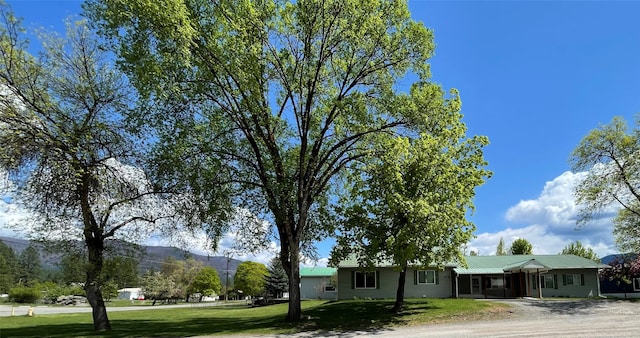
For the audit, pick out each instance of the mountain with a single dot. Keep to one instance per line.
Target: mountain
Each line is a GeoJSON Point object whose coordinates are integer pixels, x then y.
{"type": "Point", "coordinates": [150, 257]}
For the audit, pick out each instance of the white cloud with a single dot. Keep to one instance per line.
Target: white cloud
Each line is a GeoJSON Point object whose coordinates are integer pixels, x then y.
{"type": "Point", "coordinates": [550, 222]}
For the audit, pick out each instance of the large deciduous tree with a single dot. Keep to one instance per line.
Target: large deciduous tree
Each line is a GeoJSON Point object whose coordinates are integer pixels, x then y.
{"type": "Point", "coordinates": [64, 142]}
{"type": "Point", "coordinates": [408, 203]}
{"type": "Point", "coordinates": [276, 96]}
{"type": "Point", "coordinates": [206, 282]}
{"type": "Point", "coordinates": [250, 278]}
{"type": "Point", "coordinates": [611, 155]}
{"type": "Point", "coordinates": [578, 249]}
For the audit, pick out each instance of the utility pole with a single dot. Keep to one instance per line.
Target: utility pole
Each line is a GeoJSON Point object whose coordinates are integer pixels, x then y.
{"type": "Point", "coordinates": [227, 254]}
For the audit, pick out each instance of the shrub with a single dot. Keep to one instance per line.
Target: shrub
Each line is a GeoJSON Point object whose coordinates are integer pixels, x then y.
{"type": "Point", "coordinates": [24, 294]}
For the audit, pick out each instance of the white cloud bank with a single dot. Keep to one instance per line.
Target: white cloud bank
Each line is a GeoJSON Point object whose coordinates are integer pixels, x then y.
{"type": "Point", "coordinates": [549, 222]}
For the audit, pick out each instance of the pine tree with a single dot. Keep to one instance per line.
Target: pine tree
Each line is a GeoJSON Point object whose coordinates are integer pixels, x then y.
{"type": "Point", "coordinates": [8, 266]}
{"type": "Point", "coordinates": [276, 282]}
{"type": "Point", "coordinates": [500, 251]}
{"type": "Point", "coordinates": [29, 265]}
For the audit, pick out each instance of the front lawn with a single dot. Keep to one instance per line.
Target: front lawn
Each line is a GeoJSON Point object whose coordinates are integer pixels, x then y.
{"type": "Point", "coordinates": [321, 316]}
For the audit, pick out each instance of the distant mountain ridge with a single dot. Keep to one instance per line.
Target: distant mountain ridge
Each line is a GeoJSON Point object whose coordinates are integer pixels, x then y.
{"type": "Point", "coordinates": [150, 257]}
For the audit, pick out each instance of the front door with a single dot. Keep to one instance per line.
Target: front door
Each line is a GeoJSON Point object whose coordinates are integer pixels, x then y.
{"type": "Point", "coordinates": [475, 285]}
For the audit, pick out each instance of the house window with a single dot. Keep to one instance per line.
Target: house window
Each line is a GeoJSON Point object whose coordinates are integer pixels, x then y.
{"type": "Point", "coordinates": [573, 279]}
{"type": "Point", "coordinates": [426, 277]}
{"type": "Point", "coordinates": [636, 284]}
{"type": "Point", "coordinates": [329, 288]}
{"type": "Point", "coordinates": [496, 283]}
{"type": "Point", "coordinates": [365, 279]}
{"type": "Point", "coordinates": [548, 282]}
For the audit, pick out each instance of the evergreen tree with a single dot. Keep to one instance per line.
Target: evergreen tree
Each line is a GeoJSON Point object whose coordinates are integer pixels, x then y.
{"type": "Point", "coordinates": [276, 282]}
{"type": "Point", "coordinates": [8, 266]}
{"type": "Point", "coordinates": [500, 251]}
{"type": "Point", "coordinates": [29, 266]}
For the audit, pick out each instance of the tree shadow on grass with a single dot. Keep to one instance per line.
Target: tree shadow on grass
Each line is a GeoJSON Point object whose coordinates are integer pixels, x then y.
{"type": "Point", "coordinates": [343, 319]}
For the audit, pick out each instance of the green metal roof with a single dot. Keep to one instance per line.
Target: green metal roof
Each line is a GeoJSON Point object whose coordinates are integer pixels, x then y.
{"type": "Point", "coordinates": [498, 264]}
{"type": "Point", "coordinates": [317, 271]}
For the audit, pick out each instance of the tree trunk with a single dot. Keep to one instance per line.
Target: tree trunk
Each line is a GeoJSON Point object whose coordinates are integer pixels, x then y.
{"type": "Point", "coordinates": [295, 310]}
{"type": "Point", "coordinates": [95, 246]}
{"type": "Point", "coordinates": [397, 307]}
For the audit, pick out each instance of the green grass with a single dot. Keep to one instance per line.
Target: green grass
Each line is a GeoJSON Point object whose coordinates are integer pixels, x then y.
{"type": "Point", "coordinates": [320, 316]}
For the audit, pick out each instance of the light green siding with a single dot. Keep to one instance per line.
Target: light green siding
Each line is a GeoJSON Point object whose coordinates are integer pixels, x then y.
{"type": "Point", "coordinates": [387, 285]}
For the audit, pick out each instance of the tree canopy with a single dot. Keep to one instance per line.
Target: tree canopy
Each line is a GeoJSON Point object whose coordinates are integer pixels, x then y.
{"type": "Point", "coordinates": [206, 282]}
{"type": "Point", "coordinates": [576, 248]}
{"type": "Point", "coordinates": [408, 203]}
{"type": "Point", "coordinates": [250, 278]}
{"type": "Point", "coordinates": [66, 147]}
{"type": "Point", "coordinates": [521, 246]}
{"type": "Point", "coordinates": [610, 155]}
{"type": "Point", "coordinates": [268, 102]}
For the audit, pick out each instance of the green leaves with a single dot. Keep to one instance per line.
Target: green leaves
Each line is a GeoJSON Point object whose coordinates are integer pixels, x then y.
{"type": "Point", "coordinates": [409, 200]}
{"type": "Point", "coordinates": [610, 155]}
{"type": "Point", "coordinates": [250, 278]}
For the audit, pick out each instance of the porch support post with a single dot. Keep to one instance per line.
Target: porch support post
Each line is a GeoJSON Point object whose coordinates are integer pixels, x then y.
{"type": "Point", "coordinates": [455, 282]}
{"type": "Point", "coordinates": [539, 284]}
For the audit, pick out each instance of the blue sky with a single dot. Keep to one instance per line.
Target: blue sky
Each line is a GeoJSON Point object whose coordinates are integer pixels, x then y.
{"type": "Point", "coordinates": [535, 77]}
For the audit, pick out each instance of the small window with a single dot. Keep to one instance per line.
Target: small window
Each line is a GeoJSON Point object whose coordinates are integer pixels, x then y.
{"type": "Point", "coordinates": [426, 277]}
{"type": "Point", "coordinates": [548, 282]}
{"type": "Point", "coordinates": [496, 283]}
{"type": "Point", "coordinates": [636, 284]}
{"type": "Point", "coordinates": [365, 279]}
{"type": "Point", "coordinates": [573, 279]}
{"type": "Point", "coordinates": [329, 288]}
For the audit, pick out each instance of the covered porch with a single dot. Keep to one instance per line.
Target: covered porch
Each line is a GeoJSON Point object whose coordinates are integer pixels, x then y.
{"type": "Point", "coordinates": [511, 281]}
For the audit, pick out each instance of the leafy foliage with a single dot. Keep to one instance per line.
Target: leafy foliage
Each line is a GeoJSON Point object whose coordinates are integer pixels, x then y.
{"type": "Point", "coordinates": [206, 282]}
{"type": "Point", "coordinates": [65, 144]}
{"type": "Point", "coordinates": [521, 247]}
{"type": "Point", "coordinates": [576, 248]}
{"type": "Point", "coordinates": [24, 294]}
{"type": "Point", "coordinates": [610, 155]}
{"type": "Point", "coordinates": [624, 268]}
{"type": "Point", "coordinates": [408, 202]}
{"type": "Point", "coordinates": [267, 102]}
{"type": "Point", "coordinates": [250, 278]}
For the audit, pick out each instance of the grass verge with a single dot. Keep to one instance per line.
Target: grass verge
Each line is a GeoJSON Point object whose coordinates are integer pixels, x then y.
{"type": "Point", "coordinates": [322, 316]}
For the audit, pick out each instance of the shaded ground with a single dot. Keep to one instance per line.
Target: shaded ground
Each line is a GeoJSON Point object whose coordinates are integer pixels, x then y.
{"type": "Point", "coordinates": [526, 318]}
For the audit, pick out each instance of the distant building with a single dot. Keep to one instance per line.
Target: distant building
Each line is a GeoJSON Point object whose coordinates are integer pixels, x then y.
{"type": "Point", "coordinates": [130, 293]}
{"type": "Point", "coordinates": [315, 283]}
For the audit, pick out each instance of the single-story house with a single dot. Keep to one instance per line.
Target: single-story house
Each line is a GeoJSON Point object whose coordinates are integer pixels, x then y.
{"type": "Point", "coordinates": [484, 277]}
{"type": "Point", "coordinates": [315, 283]}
